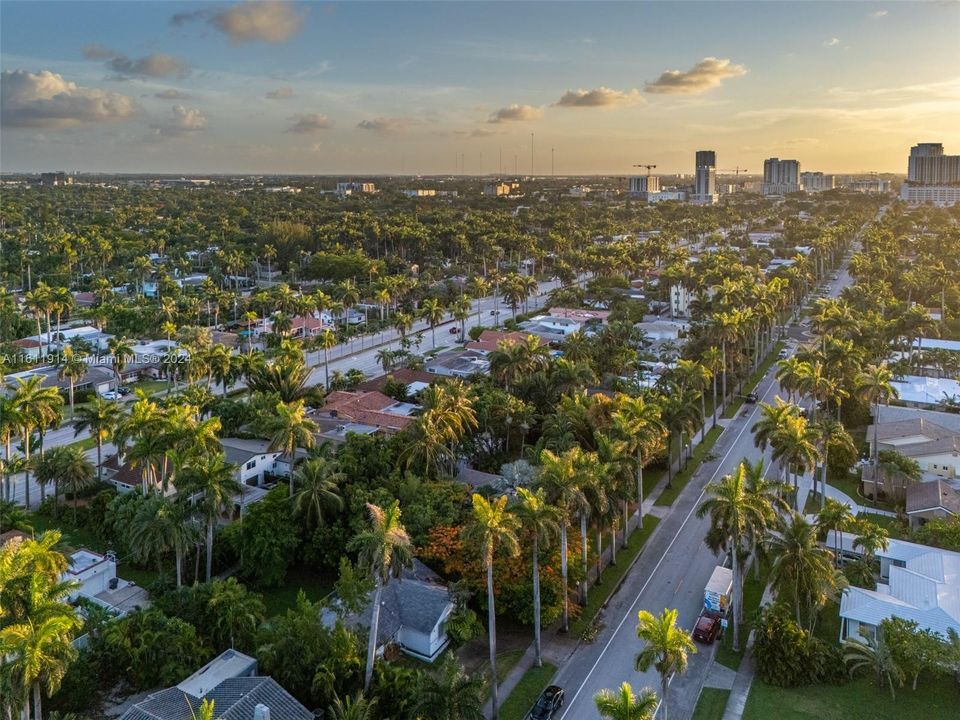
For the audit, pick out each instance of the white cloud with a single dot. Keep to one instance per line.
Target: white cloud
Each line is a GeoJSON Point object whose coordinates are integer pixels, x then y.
{"type": "Point", "coordinates": [386, 125]}
{"type": "Point", "coordinates": [281, 93]}
{"type": "Point", "coordinates": [272, 21]}
{"type": "Point", "coordinates": [475, 133]}
{"type": "Point", "coordinates": [512, 113]}
{"type": "Point", "coordinates": [309, 123]}
{"type": "Point", "coordinates": [599, 97]}
{"type": "Point", "coordinates": [705, 75]}
{"type": "Point", "coordinates": [832, 42]}
{"type": "Point", "coordinates": [171, 94]}
{"type": "Point", "coordinates": [153, 65]}
{"type": "Point", "coordinates": [45, 99]}
{"type": "Point", "coordinates": [880, 14]}
{"type": "Point", "coordinates": [184, 121]}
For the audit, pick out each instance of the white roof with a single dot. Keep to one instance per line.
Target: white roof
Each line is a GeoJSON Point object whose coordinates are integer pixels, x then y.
{"type": "Point", "coordinates": [927, 390]}
{"type": "Point", "coordinates": [925, 589]}
{"type": "Point", "coordinates": [899, 550]}
{"type": "Point", "coordinates": [938, 344]}
{"type": "Point", "coordinates": [228, 664]}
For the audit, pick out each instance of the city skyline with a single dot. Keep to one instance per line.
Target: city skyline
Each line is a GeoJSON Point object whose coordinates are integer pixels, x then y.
{"type": "Point", "coordinates": [377, 88]}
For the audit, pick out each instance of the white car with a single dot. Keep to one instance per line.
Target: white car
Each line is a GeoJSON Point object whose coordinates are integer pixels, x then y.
{"type": "Point", "coordinates": [110, 395]}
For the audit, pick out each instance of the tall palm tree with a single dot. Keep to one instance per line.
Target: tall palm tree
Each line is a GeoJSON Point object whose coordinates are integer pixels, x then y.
{"type": "Point", "coordinates": [667, 648]}
{"type": "Point", "coordinates": [433, 311]}
{"type": "Point", "coordinates": [461, 312]}
{"type": "Point", "coordinates": [237, 613]}
{"type": "Point", "coordinates": [318, 479]}
{"type": "Point", "coordinates": [837, 516]}
{"type": "Point", "coordinates": [796, 445]}
{"type": "Point", "coordinates": [327, 341]}
{"type": "Point", "coordinates": [68, 465]}
{"type": "Point", "coordinates": [514, 360]}
{"type": "Point", "coordinates": [385, 550]}
{"type": "Point", "coordinates": [159, 527]}
{"type": "Point", "coordinates": [874, 386]}
{"type": "Point", "coordinates": [120, 350]}
{"type": "Point", "coordinates": [622, 704]}
{"type": "Point", "coordinates": [639, 423]}
{"type": "Point", "coordinates": [493, 527]}
{"type": "Point", "coordinates": [802, 573]}
{"type": "Point", "coordinates": [736, 514]}
{"type": "Point", "coordinates": [560, 477]}
{"type": "Point", "coordinates": [34, 406]}
{"type": "Point", "coordinates": [451, 693]}
{"type": "Point", "coordinates": [10, 424]}
{"type": "Point", "coordinates": [212, 477]}
{"type": "Point", "coordinates": [356, 707]}
{"type": "Point", "coordinates": [74, 368]}
{"type": "Point", "coordinates": [291, 428]}
{"type": "Point", "coordinates": [540, 523]}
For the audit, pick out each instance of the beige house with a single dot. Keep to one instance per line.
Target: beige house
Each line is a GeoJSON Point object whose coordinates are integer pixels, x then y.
{"type": "Point", "coordinates": [932, 499]}
{"type": "Point", "coordinates": [936, 448]}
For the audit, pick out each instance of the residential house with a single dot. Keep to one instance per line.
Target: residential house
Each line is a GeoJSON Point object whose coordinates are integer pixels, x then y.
{"type": "Point", "coordinates": [926, 392]}
{"type": "Point", "coordinates": [96, 581]}
{"type": "Point", "coordinates": [935, 448]}
{"type": "Point", "coordinates": [490, 340]}
{"type": "Point", "coordinates": [370, 409]}
{"type": "Point", "coordinates": [231, 683]}
{"type": "Point", "coordinates": [415, 380]}
{"type": "Point", "coordinates": [561, 322]}
{"type": "Point", "coordinates": [461, 363]}
{"type": "Point", "coordinates": [931, 499]}
{"type": "Point", "coordinates": [414, 611]}
{"type": "Point", "coordinates": [917, 583]}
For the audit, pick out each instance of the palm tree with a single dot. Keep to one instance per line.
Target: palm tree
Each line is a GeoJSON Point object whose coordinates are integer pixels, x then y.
{"type": "Point", "coordinates": [874, 654]}
{"type": "Point", "coordinates": [237, 612]}
{"type": "Point", "coordinates": [874, 386]}
{"type": "Point", "coordinates": [73, 367]}
{"type": "Point", "coordinates": [432, 310]}
{"type": "Point", "coordinates": [461, 312]}
{"type": "Point", "coordinates": [737, 514]}
{"type": "Point", "coordinates": [622, 704]}
{"type": "Point", "coordinates": [795, 444]}
{"type": "Point", "coordinates": [667, 648]}
{"type": "Point", "coordinates": [385, 550]}
{"type": "Point", "coordinates": [318, 479]}
{"type": "Point", "coordinates": [638, 422]}
{"type": "Point", "coordinates": [493, 526]}
{"type": "Point", "coordinates": [159, 527]}
{"type": "Point", "coordinates": [837, 516]}
{"type": "Point", "coordinates": [14, 517]}
{"type": "Point", "coordinates": [352, 708]}
{"type": "Point", "coordinates": [216, 479]}
{"type": "Point", "coordinates": [514, 360]}
{"type": "Point", "coordinates": [120, 350]}
{"type": "Point", "coordinates": [450, 693]}
{"type": "Point", "coordinates": [327, 340]}
{"type": "Point", "coordinates": [292, 428]}
{"type": "Point", "coordinates": [680, 415]}
{"type": "Point", "coordinates": [540, 522]}
{"type": "Point", "coordinates": [35, 406]}
{"type": "Point", "coordinates": [69, 466]}
{"type": "Point", "coordinates": [560, 476]}
{"type": "Point", "coordinates": [802, 573]}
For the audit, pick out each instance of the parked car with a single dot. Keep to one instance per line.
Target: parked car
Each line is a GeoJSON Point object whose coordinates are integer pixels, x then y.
{"type": "Point", "coordinates": [783, 354]}
{"type": "Point", "coordinates": [751, 398]}
{"type": "Point", "coordinates": [547, 704]}
{"type": "Point", "coordinates": [110, 395]}
{"type": "Point", "coordinates": [454, 330]}
{"type": "Point", "coordinates": [124, 391]}
{"type": "Point", "coordinates": [707, 628]}
{"type": "Point", "coordinates": [494, 312]}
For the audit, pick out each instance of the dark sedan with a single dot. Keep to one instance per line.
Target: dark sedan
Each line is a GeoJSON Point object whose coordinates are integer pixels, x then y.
{"type": "Point", "coordinates": [549, 702]}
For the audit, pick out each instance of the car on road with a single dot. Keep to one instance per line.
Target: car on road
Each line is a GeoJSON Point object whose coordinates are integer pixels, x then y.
{"type": "Point", "coordinates": [707, 628]}
{"type": "Point", "coordinates": [750, 398]}
{"type": "Point", "coordinates": [547, 704]}
{"type": "Point", "coordinates": [494, 312]}
{"type": "Point", "coordinates": [783, 354]}
{"type": "Point", "coordinates": [454, 330]}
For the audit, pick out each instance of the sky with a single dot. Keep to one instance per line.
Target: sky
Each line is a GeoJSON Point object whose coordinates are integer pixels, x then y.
{"type": "Point", "coordinates": [443, 87]}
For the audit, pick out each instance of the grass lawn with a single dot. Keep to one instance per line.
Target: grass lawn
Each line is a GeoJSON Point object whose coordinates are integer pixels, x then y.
{"type": "Point", "coordinates": [314, 584]}
{"type": "Point", "coordinates": [72, 538]}
{"type": "Point", "coordinates": [612, 576]}
{"type": "Point", "coordinates": [85, 444]}
{"type": "Point", "coordinates": [892, 525]}
{"type": "Point", "coordinates": [150, 386]}
{"type": "Point", "coordinates": [712, 703]}
{"type": "Point", "coordinates": [828, 624]}
{"type": "Point", "coordinates": [934, 699]}
{"type": "Point", "coordinates": [752, 594]}
{"type": "Point", "coordinates": [681, 479]}
{"type": "Point", "coordinates": [525, 694]}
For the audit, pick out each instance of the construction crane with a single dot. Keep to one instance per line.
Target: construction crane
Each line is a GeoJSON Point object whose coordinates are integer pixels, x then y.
{"type": "Point", "coordinates": [648, 167]}
{"type": "Point", "coordinates": [736, 172]}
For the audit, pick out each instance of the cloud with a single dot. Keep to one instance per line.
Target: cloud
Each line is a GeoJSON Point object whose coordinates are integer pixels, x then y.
{"type": "Point", "coordinates": [153, 65]}
{"type": "Point", "coordinates": [475, 133]}
{"type": "Point", "coordinates": [45, 99]}
{"type": "Point", "coordinates": [281, 93]}
{"type": "Point", "coordinates": [96, 51]}
{"type": "Point", "coordinates": [832, 42]}
{"type": "Point", "coordinates": [171, 95]}
{"type": "Point", "coordinates": [880, 14]}
{"type": "Point", "coordinates": [184, 121]}
{"type": "Point", "coordinates": [309, 123]}
{"type": "Point", "coordinates": [515, 112]}
{"type": "Point", "coordinates": [705, 75]}
{"type": "Point", "coordinates": [272, 21]}
{"type": "Point", "coordinates": [599, 97]}
{"type": "Point", "coordinates": [386, 125]}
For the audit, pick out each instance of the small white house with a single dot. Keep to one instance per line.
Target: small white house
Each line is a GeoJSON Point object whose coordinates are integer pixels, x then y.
{"type": "Point", "coordinates": [97, 582]}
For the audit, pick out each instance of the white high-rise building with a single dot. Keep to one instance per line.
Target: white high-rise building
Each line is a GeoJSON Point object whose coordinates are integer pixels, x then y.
{"type": "Point", "coordinates": [705, 178]}
{"type": "Point", "coordinates": [817, 182]}
{"type": "Point", "coordinates": [932, 177]}
{"type": "Point", "coordinates": [780, 176]}
{"type": "Point", "coordinates": [640, 185]}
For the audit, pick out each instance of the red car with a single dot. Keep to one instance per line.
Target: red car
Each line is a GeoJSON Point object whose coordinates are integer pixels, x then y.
{"type": "Point", "coordinates": [707, 628]}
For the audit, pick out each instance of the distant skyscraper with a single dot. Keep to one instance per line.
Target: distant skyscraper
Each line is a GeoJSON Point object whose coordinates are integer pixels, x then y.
{"type": "Point", "coordinates": [816, 182]}
{"type": "Point", "coordinates": [780, 176]}
{"type": "Point", "coordinates": [928, 165]}
{"type": "Point", "coordinates": [641, 184]}
{"type": "Point", "coordinates": [932, 177]}
{"type": "Point", "coordinates": [705, 178]}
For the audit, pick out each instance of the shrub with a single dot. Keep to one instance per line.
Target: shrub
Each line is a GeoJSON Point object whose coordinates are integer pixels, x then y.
{"type": "Point", "coordinates": [786, 655]}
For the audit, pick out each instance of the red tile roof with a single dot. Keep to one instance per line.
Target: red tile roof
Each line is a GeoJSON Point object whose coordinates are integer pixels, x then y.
{"type": "Point", "coordinates": [366, 408]}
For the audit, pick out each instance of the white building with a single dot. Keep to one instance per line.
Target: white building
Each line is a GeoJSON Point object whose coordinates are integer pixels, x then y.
{"type": "Point", "coordinates": [939, 195]}
{"type": "Point", "coordinates": [420, 192]}
{"type": "Point", "coordinates": [917, 582]}
{"type": "Point", "coordinates": [355, 188]}
{"type": "Point", "coordinates": [666, 196]}
{"type": "Point", "coordinates": [918, 391]}
{"type": "Point", "coordinates": [680, 299]}
{"type": "Point", "coordinates": [97, 582]}
{"type": "Point", "coordinates": [641, 185]}
{"type": "Point", "coordinates": [780, 176]}
{"type": "Point", "coordinates": [814, 182]}
{"type": "Point", "coordinates": [927, 165]}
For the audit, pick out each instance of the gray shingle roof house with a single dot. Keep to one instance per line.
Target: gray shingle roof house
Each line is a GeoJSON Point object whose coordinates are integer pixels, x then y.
{"type": "Point", "coordinates": [228, 681]}
{"type": "Point", "coordinates": [413, 614]}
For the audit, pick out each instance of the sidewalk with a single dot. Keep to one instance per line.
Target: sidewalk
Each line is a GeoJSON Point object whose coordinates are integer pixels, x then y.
{"type": "Point", "coordinates": [806, 487]}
